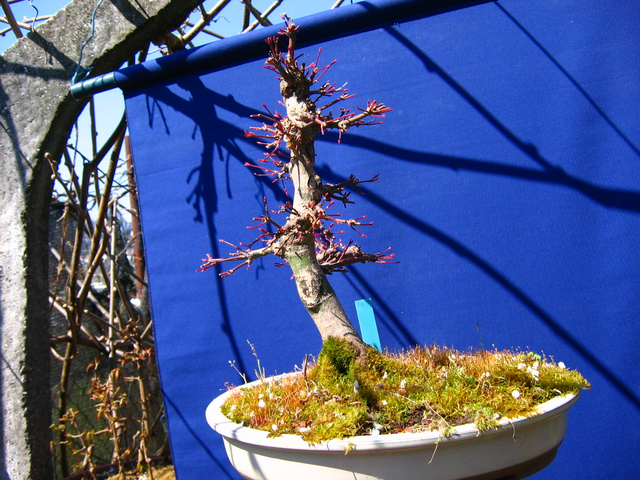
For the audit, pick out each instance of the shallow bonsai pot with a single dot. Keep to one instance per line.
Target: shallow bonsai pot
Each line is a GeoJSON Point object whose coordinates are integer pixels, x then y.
{"type": "Point", "coordinates": [517, 448]}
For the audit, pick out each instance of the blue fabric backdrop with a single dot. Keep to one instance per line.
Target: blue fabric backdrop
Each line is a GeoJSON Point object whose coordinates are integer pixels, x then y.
{"type": "Point", "coordinates": [509, 190]}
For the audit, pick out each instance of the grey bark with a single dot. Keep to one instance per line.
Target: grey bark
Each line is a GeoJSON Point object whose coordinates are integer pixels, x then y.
{"type": "Point", "coordinates": [37, 113]}
{"type": "Point", "coordinates": [314, 288]}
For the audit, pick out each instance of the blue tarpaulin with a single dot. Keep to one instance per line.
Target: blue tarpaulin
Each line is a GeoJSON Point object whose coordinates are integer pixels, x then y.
{"type": "Point", "coordinates": [509, 190]}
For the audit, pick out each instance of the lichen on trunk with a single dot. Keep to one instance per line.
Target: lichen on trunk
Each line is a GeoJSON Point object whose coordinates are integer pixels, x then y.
{"type": "Point", "coordinates": [318, 296]}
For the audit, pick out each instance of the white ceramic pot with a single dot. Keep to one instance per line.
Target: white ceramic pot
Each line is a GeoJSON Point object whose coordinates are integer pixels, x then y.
{"type": "Point", "coordinates": [518, 447]}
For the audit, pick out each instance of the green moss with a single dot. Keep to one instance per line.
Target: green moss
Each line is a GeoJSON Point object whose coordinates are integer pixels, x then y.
{"type": "Point", "coordinates": [422, 389]}
{"type": "Point", "coordinates": [337, 357]}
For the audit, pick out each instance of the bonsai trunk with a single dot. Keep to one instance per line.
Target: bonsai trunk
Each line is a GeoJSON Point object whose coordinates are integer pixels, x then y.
{"type": "Point", "coordinates": [299, 250]}
{"type": "Point", "coordinates": [318, 296]}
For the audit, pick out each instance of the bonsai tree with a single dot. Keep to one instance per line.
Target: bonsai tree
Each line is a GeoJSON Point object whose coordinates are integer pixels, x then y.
{"type": "Point", "coordinates": [306, 240]}
{"type": "Point", "coordinates": [352, 389]}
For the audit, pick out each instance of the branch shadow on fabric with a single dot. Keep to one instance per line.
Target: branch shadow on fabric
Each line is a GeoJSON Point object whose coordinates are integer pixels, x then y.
{"type": "Point", "coordinates": [619, 199]}
{"type": "Point", "coordinates": [221, 144]}
{"type": "Point", "coordinates": [193, 431]}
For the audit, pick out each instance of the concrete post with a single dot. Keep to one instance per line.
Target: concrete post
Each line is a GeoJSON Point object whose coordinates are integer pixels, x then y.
{"type": "Point", "coordinates": [37, 113]}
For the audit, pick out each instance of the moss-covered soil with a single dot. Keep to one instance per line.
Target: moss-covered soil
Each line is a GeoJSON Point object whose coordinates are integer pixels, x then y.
{"type": "Point", "coordinates": [423, 389]}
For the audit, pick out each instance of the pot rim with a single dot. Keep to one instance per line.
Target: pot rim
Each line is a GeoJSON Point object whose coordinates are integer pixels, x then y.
{"type": "Point", "coordinates": [233, 431]}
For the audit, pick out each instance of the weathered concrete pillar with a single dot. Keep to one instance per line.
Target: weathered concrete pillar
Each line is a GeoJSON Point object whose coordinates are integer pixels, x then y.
{"type": "Point", "coordinates": [36, 116]}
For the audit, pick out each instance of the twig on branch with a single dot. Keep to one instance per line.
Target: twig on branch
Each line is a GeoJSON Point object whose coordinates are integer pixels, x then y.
{"type": "Point", "coordinates": [10, 19]}
{"type": "Point", "coordinates": [243, 254]}
{"type": "Point", "coordinates": [204, 21]}
{"type": "Point", "coordinates": [266, 13]}
{"type": "Point", "coordinates": [256, 13]}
